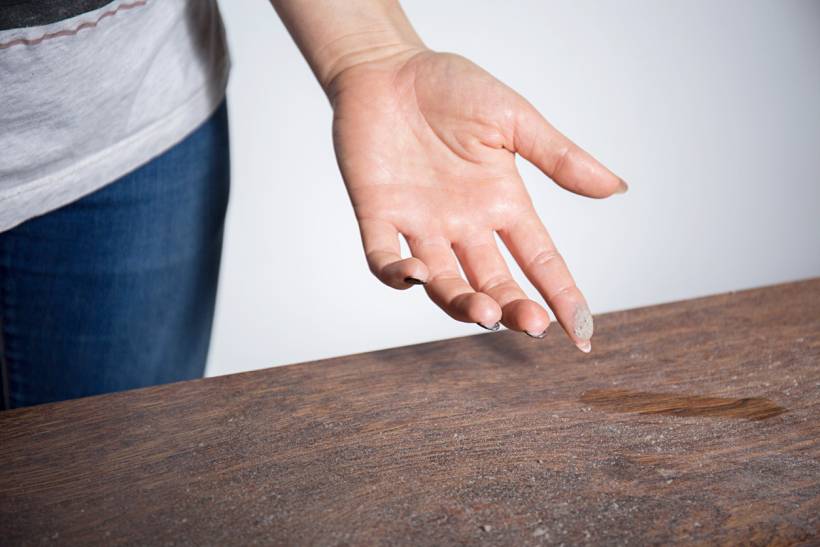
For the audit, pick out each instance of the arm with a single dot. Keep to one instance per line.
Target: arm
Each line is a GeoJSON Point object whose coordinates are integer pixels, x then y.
{"type": "Point", "coordinates": [426, 144]}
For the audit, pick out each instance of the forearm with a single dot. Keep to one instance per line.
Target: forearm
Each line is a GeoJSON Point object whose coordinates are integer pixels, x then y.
{"type": "Point", "coordinates": [336, 34]}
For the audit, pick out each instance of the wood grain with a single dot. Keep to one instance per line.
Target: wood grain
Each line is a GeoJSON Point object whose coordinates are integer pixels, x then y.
{"type": "Point", "coordinates": [482, 439]}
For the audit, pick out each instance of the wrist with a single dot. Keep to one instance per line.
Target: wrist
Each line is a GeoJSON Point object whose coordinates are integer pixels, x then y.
{"type": "Point", "coordinates": [337, 35]}
{"type": "Point", "coordinates": [365, 47]}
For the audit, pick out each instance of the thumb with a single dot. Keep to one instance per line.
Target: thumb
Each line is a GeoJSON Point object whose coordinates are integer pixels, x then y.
{"type": "Point", "coordinates": [561, 159]}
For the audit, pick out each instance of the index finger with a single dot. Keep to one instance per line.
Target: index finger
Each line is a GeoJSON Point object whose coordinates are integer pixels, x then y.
{"type": "Point", "coordinates": [533, 249]}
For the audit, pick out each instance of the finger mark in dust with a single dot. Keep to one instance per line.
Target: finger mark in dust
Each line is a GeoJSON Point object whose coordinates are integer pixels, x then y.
{"type": "Point", "coordinates": [674, 404]}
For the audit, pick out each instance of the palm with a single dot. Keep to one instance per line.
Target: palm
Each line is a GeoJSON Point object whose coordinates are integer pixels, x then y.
{"type": "Point", "coordinates": [412, 143]}
{"type": "Point", "coordinates": [426, 147]}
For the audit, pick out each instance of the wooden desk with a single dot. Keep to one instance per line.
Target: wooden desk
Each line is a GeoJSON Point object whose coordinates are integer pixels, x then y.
{"type": "Point", "coordinates": [494, 438]}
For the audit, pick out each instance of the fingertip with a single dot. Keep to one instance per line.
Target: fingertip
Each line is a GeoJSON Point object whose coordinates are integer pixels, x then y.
{"type": "Point", "coordinates": [405, 273]}
{"type": "Point", "coordinates": [490, 309]}
{"type": "Point", "coordinates": [415, 271]}
{"type": "Point", "coordinates": [582, 327]}
{"type": "Point", "coordinates": [526, 316]}
{"type": "Point", "coordinates": [618, 187]}
{"type": "Point", "coordinates": [582, 323]}
{"type": "Point", "coordinates": [614, 187]}
{"type": "Point", "coordinates": [481, 308]}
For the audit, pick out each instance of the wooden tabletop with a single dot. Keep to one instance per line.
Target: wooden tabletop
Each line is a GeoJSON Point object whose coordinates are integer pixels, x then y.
{"type": "Point", "coordinates": [692, 422]}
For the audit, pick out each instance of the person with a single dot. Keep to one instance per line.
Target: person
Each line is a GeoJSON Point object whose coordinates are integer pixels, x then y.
{"type": "Point", "coordinates": [114, 182]}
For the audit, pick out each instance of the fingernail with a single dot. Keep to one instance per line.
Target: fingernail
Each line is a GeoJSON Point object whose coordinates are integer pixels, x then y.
{"type": "Point", "coordinates": [583, 326]}
{"type": "Point", "coordinates": [492, 328]}
{"type": "Point", "coordinates": [585, 346]}
{"type": "Point", "coordinates": [414, 281]}
{"type": "Point", "coordinates": [622, 186]}
{"type": "Point", "coordinates": [543, 334]}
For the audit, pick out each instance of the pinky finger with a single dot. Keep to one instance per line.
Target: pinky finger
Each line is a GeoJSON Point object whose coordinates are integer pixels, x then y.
{"type": "Point", "coordinates": [381, 247]}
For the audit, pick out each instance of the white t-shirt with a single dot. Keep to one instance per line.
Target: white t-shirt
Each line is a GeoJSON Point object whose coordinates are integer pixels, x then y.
{"type": "Point", "coordinates": [85, 100]}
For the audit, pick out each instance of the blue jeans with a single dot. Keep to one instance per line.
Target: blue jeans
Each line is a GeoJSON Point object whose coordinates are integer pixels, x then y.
{"type": "Point", "coordinates": [116, 290]}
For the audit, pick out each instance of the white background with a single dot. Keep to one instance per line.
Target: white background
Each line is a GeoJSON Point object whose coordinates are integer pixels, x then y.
{"type": "Point", "coordinates": [710, 110]}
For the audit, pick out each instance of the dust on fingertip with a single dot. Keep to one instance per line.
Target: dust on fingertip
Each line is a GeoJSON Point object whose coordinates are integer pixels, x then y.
{"type": "Point", "coordinates": [582, 323]}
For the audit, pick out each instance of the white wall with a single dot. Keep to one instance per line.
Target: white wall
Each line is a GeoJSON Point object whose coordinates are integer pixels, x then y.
{"type": "Point", "coordinates": [711, 111]}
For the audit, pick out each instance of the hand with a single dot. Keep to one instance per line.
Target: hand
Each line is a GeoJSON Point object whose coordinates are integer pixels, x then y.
{"type": "Point", "coordinates": [426, 144]}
